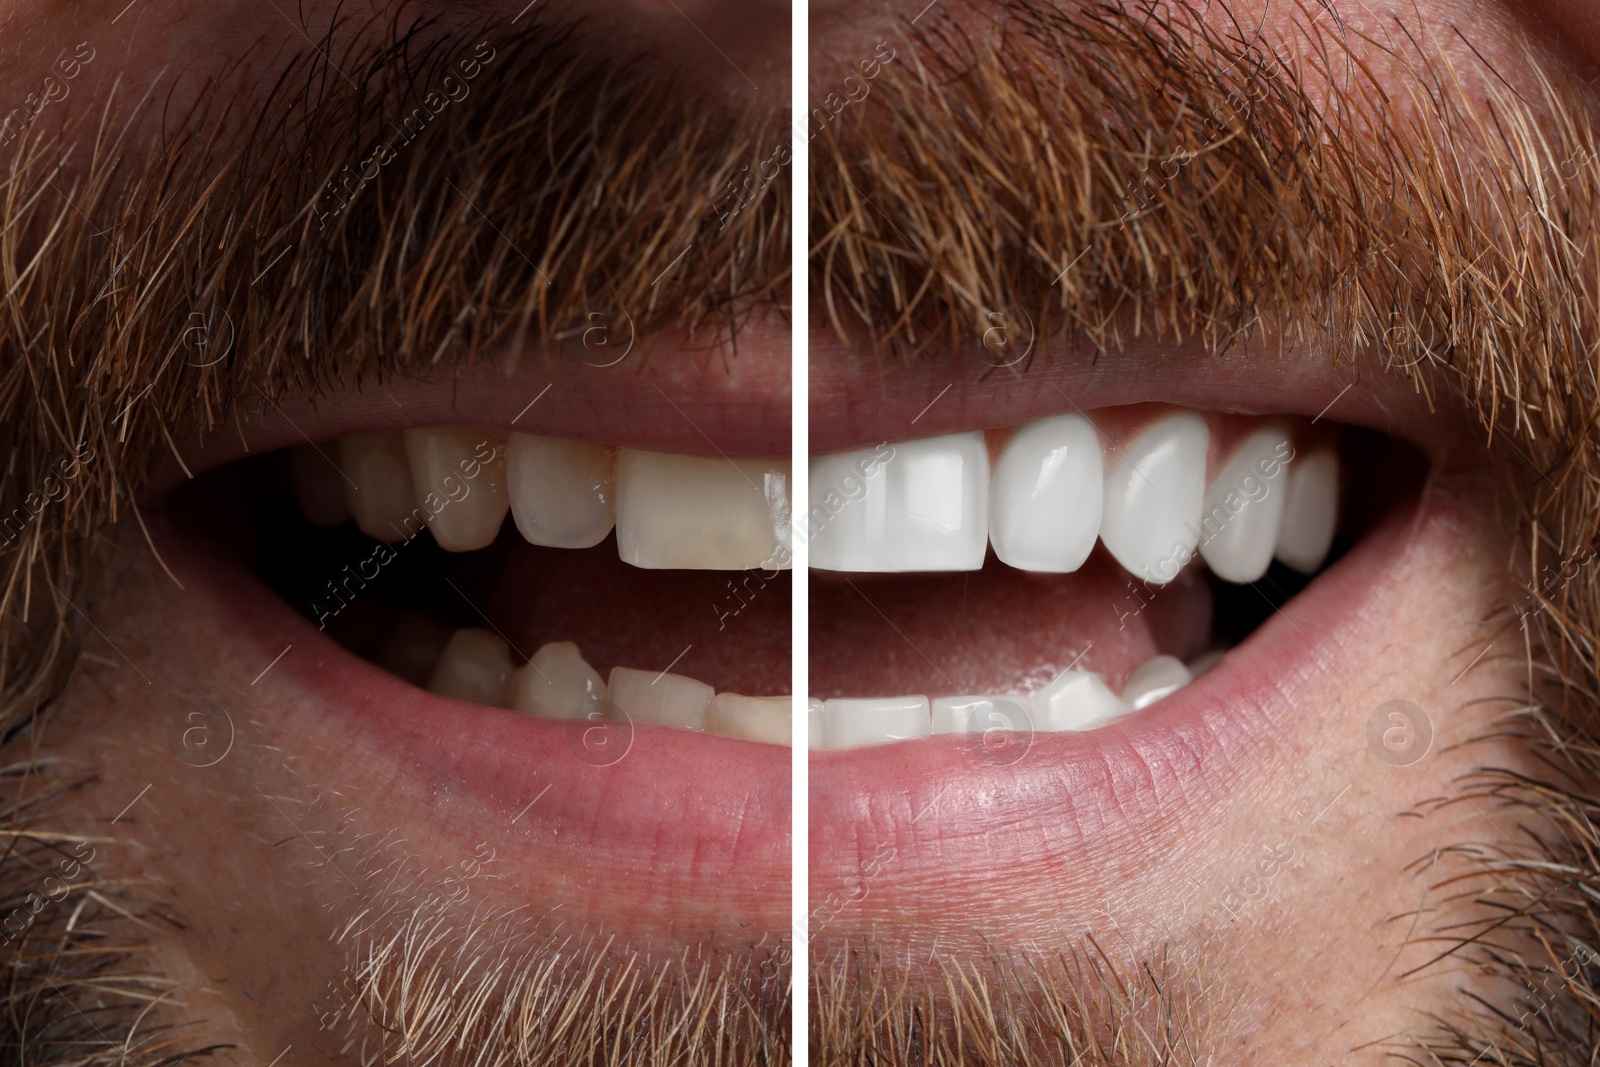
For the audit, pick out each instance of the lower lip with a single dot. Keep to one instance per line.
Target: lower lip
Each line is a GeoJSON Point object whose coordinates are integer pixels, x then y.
{"type": "Point", "coordinates": [1074, 801]}
{"type": "Point", "coordinates": [658, 803]}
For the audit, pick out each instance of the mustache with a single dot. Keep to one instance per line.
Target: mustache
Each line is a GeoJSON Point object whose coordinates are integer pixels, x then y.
{"type": "Point", "coordinates": [1108, 172]}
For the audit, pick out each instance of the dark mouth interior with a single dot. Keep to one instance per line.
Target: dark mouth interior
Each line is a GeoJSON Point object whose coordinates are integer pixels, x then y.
{"type": "Point", "coordinates": [1001, 630]}
{"type": "Point", "coordinates": [729, 629]}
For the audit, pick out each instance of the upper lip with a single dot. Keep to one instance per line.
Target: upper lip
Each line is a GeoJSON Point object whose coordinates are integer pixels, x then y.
{"type": "Point", "coordinates": [692, 400]}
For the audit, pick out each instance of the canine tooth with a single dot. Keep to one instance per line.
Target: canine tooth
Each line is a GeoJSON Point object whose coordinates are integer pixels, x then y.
{"type": "Point", "coordinates": [1153, 495]}
{"type": "Point", "coordinates": [556, 683]}
{"type": "Point", "coordinates": [654, 696]}
{"type": "Point", "coordinates": [1311, 511]}
{"type": "Point", "coordinates": [1243, 507]}
{"type": "Point", "coordinates": [460, 478]}
{"type": "Point", "coordinates": [1153, 679]}
{"type": "Point", "coordinates": [379, 492]}
{"type": "Point", "coordinates": [924, 508]}
{"type": "Point", "coordinates": [1076, 700]}
{"type": "Point", "coordinates": [1046, 497]}
{"type": "Point", "coordinates": [814, 723]}
{"type": "Point", "coordinates": [319, 486]}
{"type": "Point", "coordinates": [475, 665]}
{"type": "Point", "coordinates": [413, 647]}
{"type": "Point", "coordinates": [977, 714]}
{"type": "Point", "coordinates": [851, 723]}
{"type": "Point", "coordinates": [697, 513]}
{"type": "Point", "coordinates": [752, 718]}
{"type": "Point", "coordinates": [563, 493]}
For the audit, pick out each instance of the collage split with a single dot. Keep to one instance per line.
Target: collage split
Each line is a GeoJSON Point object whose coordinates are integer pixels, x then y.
{"type": "Point", "coordinates": [893, 533]}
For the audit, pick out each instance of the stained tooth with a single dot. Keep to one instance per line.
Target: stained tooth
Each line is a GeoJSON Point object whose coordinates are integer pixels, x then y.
{"type": "Point", "coordinates": [853, 723]}
{"type": "Point", "coordinates": [1077, 700]}
{"type": "Point", "coordinates": [460, 478]}
{"type": "Point", "coordinates": [1046, 497]}
{"type": "Point", "coordinates": [1311, 511]}
{"type": "Point", "coordinates": [977, 714]}
{"type": "Point", "coordinates": [1243, 507]}
{"type": "Point", "coordinates": [752, 718]}
{"type": "Point", "coordinates": [923, 508]}
{"type": "Point", "coordinates": [379, 492]}
{"type": "Point", "coordinates": [1153, 496]}
{"type": "Point", "coordinates": [814, 733]}
{"type": "Point", "coordinates": [651, 696]}
{"type": "Point", "coordinates": [414, 646]}
{"type": "Point", "coordinates": [556, 683]}
{"type": "Point", "coordinates": [1156, 677]}
{"type": "Point", "coordinates": [319, 486]}
{"type": "Point", "coordinates": [562, 492]}
{"type": "Point", "coordinates": [475, 665]}
{"type": "Point", "coordinates": [697, 513]}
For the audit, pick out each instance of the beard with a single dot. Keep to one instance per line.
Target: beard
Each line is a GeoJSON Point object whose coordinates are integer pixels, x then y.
{"type": "Point", "coordinates": [1171, 174]}
{"type": "Point", "coordinates": [254, 255]}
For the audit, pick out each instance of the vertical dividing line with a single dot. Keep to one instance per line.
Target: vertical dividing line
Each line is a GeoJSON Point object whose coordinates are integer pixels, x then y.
{"type": "Point", "coordinates": [799, 495]}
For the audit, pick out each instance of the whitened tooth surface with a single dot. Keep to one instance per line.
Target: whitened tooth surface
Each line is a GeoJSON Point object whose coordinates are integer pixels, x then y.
{"type": "Point", "coordinates": [919, 505]}
{"type": "Point", "coordinates": [977, 714]}
{"type": "Point", "coordinates": [1311, 511]}
{"type": "Point", "coordinates": [1046, 496]}
{"type": "Point", "coordinates": [475, 665]}
{"type": "Point", "coordinates": [378, 490]}
{"type": "Point", "coordinates": [1153, 495]}
{"type": "Point", "coordinates": [556, 683]}
{"type": "Point", "coordinates": [563, 493]}
{"type": "Point", "coordinates": [653, 696]}
{"type": "Point", "coordinates": [413, 647]}
{"type": "Point", "coordinates": [852, 723]}
{"type": "Point", "coordinates": [1077, 700]}
{"type": "Point", "coordinates": [814, 731]}
{"type": "Point", "coordinates": [1156, 677]}
{"type": "Point", "coordinates": [1243, 508]}
{"type": "Point", "coordinates": [699, 513]}
{"type": "Point", "coordinates": [319, 486]}
{"type": "Point", "coordinates": [460, 477]}
{"type": "Point", "coordinates": [768, 719]}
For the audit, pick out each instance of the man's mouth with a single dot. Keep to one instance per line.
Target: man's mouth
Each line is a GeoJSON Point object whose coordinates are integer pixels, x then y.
{"type": "Point", "coordinates": [1133, 548]}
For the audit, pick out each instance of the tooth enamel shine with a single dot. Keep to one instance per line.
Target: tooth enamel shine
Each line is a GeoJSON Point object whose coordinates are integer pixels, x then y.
{"type": "Point", "coordinates": [1244, 507]}
{"type": "Point", "coordinates": [652, 696]}
{"type": "Point", "coordinates": [1156, 677]}
{"type": "Point", "coordinates": [563, 493]}
{"type": "Point", "coordinates": [1076, 700]}
{"type": "Point", "coordinates": [925, 508]}
{"type": "Point", "coordinates": [977, 714]}
{"type": "Point", "coordinates": [1046, 497]}
{"type": "Point", "coordinates": [557, 683]}
{"type": "Point", "coordinates": [1311, 511]}
{"type": "Point", "coordinates": [850, 723]}
{"type": "Point", "coordinates": [1153, 498]}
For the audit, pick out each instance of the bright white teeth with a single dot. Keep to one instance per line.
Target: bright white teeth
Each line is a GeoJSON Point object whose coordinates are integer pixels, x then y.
{"type": "Point", "coordinates": [977, 714]}
{"type": "Point", "coordinates": [562, 492]}
{"type": "Point", "coordinates": [925, 508]}
{"type": "Point", "coordinates": [1311, 511]}
{"type": "Point", "coordinates": [814, 732]}
{"type": "Point", "coordinates": [1153, 497]}
{"type": "Point", "coordinates": [874, 721]}
{"type": "Point", "coordinates": [752, 718]}
{"type": "Point", "coordinates": [460, 480]}
{"type": "Point", "coordinates": [1045, 501]}
{"type": "Point", "coordinates": [1243, 507]}
{"type": "Point", "coordinates": [475, 666]}
{"type": "Point", "coordinates": [319, 486]}
{"type": "Point", "coordinates": [556, 683]}
{"type": "Point", "coordinates": [378, 492]}
{"type": "Point", "coordinates": [1077, 700]}
{"type": "Point", "coordinates": [1153, 679]}
{"type": "Point", "coordinates": [696, 513]}
{"type": "Point", "coordinates": [653, 696]}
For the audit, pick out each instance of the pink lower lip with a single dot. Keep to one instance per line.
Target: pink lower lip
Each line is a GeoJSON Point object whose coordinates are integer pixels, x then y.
{"type": "Point", "coordinates": [654, 806]}
{"type": "Point", "coordinates": [951, 806]}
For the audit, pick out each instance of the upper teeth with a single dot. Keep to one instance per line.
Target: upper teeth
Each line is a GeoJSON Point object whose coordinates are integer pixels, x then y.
{"type": "Point", "coordinates": [932, 505]}
{"type": "Point", "coordinates": [681, 512]}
